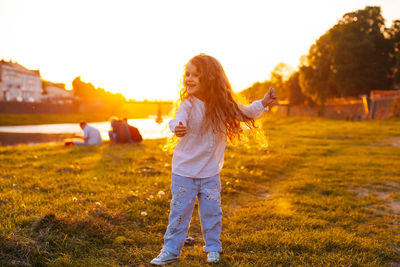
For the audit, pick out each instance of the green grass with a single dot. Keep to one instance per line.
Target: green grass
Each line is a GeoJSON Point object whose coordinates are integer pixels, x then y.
{"type": "Point", "coordinates": [322, 193]}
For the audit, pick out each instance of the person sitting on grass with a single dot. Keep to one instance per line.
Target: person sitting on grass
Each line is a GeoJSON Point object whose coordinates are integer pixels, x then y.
{"type": "Point", "coordinates": [119, 133]}
{"type": "Point", "coordinates": [134, 132]}
{"type": "Point", "coordinates": [91, 135]}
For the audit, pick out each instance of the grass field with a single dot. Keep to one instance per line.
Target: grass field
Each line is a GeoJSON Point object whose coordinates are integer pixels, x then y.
{"type": "Point", "coordinates": [307, 191]}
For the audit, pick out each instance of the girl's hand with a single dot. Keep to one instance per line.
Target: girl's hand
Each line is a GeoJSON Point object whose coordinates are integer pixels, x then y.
{"type": "Point", "coordinates": [180, 130]}
{"type": "Point", "coordinates": [270, 98]}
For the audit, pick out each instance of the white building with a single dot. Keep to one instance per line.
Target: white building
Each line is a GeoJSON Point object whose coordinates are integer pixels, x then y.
{"type": "Point", "coordinates": [56, 92]}
{"type": "Point", "coordinates": [17, 83]}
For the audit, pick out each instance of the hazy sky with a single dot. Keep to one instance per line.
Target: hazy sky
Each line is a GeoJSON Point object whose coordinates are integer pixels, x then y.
{"type": "Point", "coordinates": [139, 48]}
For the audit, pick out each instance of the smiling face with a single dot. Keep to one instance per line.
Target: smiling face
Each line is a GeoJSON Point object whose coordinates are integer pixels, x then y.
{"type": "Point", "coordinates": [192, 79]}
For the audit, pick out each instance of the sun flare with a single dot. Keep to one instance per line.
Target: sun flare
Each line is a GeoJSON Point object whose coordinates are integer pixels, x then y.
{"type": "Point", "coordinates": [139, 48]}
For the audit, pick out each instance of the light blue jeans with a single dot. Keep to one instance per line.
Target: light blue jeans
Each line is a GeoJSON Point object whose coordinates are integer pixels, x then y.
{"type": "Point", "coordinates": [80, 143]}
{"type": "Point", "coordinates": [184, 192]}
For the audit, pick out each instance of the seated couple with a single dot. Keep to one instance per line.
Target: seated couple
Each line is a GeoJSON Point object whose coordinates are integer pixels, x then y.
{"type": "Point", "coordinates": [121, 132]}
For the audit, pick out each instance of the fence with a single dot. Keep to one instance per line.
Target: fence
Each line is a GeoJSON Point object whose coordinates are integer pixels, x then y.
{"type": "Point", "coordinates": [353, 109]}
{"type": "Point", "coordinates": [350, 109]}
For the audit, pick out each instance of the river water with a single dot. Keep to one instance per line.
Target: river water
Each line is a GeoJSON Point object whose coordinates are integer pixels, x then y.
{"type": "Point", "coordinates": [147, 127]}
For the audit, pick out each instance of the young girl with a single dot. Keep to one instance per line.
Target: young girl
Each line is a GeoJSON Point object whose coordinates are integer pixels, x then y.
{"type": "Point", "coordinates": [206, 117]}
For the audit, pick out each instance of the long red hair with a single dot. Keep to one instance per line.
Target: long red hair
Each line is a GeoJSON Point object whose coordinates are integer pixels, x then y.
{"type": "Point", "coordinates": [222, 112]}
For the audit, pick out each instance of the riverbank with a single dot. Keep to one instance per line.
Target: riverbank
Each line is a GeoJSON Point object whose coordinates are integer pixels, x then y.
{"type": "Point", "coordinates": [149, 129]}
{"type": "Point", "coordinates": [34, 119]}
{"type": "Point", "coordinates": [8, 139]}
{"type": "Point", "coordinates": [305, 192]}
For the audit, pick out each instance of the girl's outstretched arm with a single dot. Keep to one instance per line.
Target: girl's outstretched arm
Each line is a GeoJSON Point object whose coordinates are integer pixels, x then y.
{"type": "Point", "coordinates": [255, 109]}
{"type": "Point", "coordinates": [269, 99]}
{"type": "Point", "coordinates": [178, 125]}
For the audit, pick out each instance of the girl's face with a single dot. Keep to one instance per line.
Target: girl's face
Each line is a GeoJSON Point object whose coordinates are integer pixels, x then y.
{"type": "Point", "coordinates": [192, 79]}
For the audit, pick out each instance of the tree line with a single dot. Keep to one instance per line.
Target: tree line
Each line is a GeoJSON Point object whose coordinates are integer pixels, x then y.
{"type": "Point", "coordinates": [87, 92]}
{"type": "Point", "coordinates": [355, 56]}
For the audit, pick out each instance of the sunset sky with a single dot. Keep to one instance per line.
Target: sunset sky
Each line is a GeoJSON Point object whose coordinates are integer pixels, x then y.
{"type": "Point", "coordinates": [139, 48]}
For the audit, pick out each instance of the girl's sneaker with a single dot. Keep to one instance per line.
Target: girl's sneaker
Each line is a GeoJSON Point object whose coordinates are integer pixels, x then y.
{"type": "Point", "coordinates": [213, 257]}
{"type": "Point", "coordinates": [163, 258]}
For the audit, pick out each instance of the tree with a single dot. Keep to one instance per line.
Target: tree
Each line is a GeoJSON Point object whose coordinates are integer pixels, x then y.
{"type": "Point", "coordinates": [315, 77]}
{"type": "Point", "coordinates": [293, 89]}
{"type": "Point", "coordinates": [82, 89]}
{"type": "Point", "coordinates": [394, 32]}
{"type": "Point", "coordinates": [352, 58]}
{"type": "Point", "coordinates": [87, 92]}
{"type": "Point", "coordinates": [279, 76]}
{"type": "Point", "coordinates": [256, 91]}
{"type": "Point", "coordinates": [361, 53]}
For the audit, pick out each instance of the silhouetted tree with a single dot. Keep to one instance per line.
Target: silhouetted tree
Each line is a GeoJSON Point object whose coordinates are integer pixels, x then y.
{"type": "Point", "coordinates": [82, 89]}
{"type": "Point", "coordinates": [256, 91]}
{"type": "Point", "coordinates": [279, 76]}
{"type": "Point", "coordinates": [395, 37]}
{"type": "Point", "coordinates": [355, 56]}
{"type": "Point", "coordinates": [352, 58]}
{"type": "Point", "coordinates": [361, 53]}
{"type": "Point", "coordinates": [315, 77]}
{"type": "Point", "coordinates": [87, 92]}
{"type": "Point", "coordinates": [293, 89]}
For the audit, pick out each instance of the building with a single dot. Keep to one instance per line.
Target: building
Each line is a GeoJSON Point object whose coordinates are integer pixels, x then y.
{"type": "Point", "coordinates": [17, 83]}
{"type": "Point", "coordinates": [56, 92]}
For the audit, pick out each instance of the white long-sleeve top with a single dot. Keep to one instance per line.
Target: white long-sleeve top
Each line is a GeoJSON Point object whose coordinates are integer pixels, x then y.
{"type": "Point", "coordinates": [92, 135]}
{"type": "Point", "coordinates": [200, 154]}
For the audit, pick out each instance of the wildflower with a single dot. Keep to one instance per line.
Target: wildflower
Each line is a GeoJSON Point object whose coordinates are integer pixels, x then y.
{"type": "Point", "coordinates": [143, 213]}
{"type": "Point", "coordinates": [161, 193]}
{"type": "Point", "coordinates": [95, 178]}
{"type": "Point", "coordinates": [74, 199]}
{"type": "Point", "coordinates": [133, 193]}
{"type": "Point", "coordinates": [14, 185]}
{"type": "Point", "coordinates": [97, 203]}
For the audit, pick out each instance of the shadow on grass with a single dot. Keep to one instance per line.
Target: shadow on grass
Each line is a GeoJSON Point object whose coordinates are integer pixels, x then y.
{"type": "Point", "coordinates": [50, 236]}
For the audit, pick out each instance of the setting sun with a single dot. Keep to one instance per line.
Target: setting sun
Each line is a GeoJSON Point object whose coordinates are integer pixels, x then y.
{"type": "Point", "coordinates": [139, 48]}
